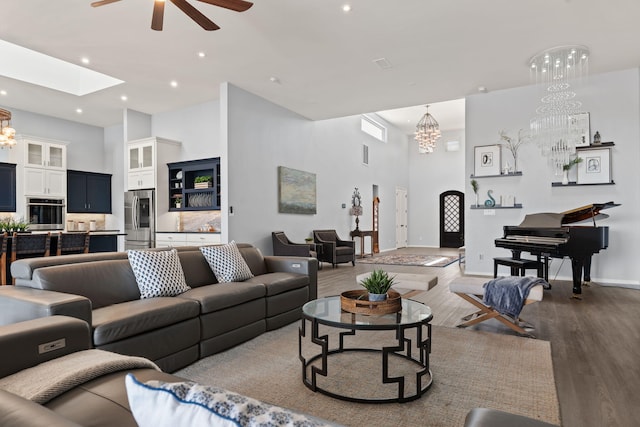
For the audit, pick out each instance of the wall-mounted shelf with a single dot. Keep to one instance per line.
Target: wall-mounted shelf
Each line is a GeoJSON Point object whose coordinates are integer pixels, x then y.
{"type": "Point", "coordinates": [504, 175]}
{"type": "Point", "coordinates": [515, 206]}
{"type": "Point", "coordinates": [592, 146]}
{"type": "Point", "coordinates": [575, 184]}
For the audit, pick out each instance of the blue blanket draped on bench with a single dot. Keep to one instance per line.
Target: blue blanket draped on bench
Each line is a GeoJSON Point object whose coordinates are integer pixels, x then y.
{"type": "Point", "coordinates": [508, 294]}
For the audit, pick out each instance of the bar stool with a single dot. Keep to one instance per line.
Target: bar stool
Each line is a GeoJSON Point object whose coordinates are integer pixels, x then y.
{"type": "Point", "coordinates": [3, 258]}
{"type": "Point", "coordinates": [29, 245]}
{"type": "Point", "coordinates": [73, 243]}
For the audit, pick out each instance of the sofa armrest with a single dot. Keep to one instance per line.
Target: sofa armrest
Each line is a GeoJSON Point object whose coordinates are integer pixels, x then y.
{"type": "Point", "coordinates": [16, 411]}
{"type": "Point", "coordinates": [39, 340]}
{"type": "Point", "coordinates": [20, 303]}
{"type": "Point", "coordinates": [300, 265]}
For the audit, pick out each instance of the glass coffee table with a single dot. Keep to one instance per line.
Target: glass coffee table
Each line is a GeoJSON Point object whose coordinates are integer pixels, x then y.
{"type": "Point", "coordinates": [331, 355]}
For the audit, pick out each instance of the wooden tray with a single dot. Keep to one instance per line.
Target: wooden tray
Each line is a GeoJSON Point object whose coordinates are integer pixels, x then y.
{"type": "Point", "coordinates": [357, 302]}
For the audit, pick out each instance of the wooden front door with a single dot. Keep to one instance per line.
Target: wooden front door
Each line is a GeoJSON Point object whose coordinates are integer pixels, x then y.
{"type": "Point", "coordinates": [451, 219]}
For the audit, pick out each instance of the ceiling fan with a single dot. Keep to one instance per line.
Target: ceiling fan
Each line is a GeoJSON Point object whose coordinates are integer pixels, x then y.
{"type": "Point", "coordinates": [192, 12]}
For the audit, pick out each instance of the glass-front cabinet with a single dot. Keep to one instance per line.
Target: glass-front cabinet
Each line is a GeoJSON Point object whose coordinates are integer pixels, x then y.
{"type": "Point", "coordinates": [141, 156]}
{"type": "Point", "coordinates": [45, 155]}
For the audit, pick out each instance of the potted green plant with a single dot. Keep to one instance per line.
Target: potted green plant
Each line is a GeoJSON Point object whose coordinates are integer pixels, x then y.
{"type": "Point", "coordinates": [203, 181]}
{"type": "Point", "coordinates": [178, 202]}
{"type": "Point", "coordinates": [378, 284]}
{"type": "Point", "coordinates": [567, 167]}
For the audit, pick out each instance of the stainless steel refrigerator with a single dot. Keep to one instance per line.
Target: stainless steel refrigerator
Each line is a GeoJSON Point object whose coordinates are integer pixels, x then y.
{"type": "Point", "coordinates": [139, 223]}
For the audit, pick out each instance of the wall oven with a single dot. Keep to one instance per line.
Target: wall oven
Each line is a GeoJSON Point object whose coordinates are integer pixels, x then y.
{"type": "Point", "coordinates": [45, 214]}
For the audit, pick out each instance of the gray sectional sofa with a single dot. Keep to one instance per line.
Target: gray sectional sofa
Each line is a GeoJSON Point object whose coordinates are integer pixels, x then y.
{"type": "Point", "coordinates": [173, 332]}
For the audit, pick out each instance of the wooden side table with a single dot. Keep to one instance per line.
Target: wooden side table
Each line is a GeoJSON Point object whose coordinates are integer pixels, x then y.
{"type": "Point", "coordinates": [362, 234]}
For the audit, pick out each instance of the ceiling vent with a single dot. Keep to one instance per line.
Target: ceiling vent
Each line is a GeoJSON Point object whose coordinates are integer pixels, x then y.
{"type": "Point", "coordinates": [383, 63]}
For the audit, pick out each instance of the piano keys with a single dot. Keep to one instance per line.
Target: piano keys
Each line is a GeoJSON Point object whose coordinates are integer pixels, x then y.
{"type": "Point", "coordinates": [547, 235]}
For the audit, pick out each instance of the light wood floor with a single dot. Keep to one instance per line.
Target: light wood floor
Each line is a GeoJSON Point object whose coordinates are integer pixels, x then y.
{"type": "Point", "coordinates": [595, 343]}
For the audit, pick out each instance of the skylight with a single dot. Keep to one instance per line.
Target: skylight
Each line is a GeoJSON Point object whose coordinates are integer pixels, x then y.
{"type": "Point", "coordinates": [37, 68]}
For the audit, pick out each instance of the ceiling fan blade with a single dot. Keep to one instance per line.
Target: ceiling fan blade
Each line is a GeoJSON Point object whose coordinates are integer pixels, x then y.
{"type": "Point", "coordinates": [158, 15]}
{"type": "Point", "coordinates": [237, 5]}
{"type": "Point", "coordinates": [194, 14]}
{"type": "Point", "coordinates": [102, 2]}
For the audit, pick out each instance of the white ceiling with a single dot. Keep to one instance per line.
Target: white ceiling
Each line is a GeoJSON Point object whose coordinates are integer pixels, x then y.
{"type": "Point", "coordinates": [323, 58]}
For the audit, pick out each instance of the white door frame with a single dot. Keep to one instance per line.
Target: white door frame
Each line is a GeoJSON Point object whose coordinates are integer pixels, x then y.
{"type": "Point", "coordinates": [402, 231]}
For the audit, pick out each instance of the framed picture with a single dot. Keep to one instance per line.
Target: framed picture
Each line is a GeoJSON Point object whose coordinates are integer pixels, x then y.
{"type": "Point", "coordinates": [487, 160]}
{"type": "Point", "coordinates": [580, 129]}
{"type": "Point", "coordinates": [595, 167]}
{"type": "Point", "coordinates": [296, 191]}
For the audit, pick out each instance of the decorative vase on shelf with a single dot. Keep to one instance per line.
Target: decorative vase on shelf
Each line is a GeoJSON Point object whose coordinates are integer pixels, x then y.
{"type": "Point", "coordinates": [565, 177]}
{"type": "Point", "coordinates": [477, 204]}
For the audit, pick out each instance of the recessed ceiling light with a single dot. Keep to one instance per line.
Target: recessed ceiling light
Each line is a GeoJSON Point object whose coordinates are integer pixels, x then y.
{"type": "Point", "coordinates": [274, 80]}
{"type": "Point", "coordinates": [85, 60]}
{"type": "Point", "coordinates": [174, 83]}
{"type": "Point", "coordinates": [79, 110]}
{"type": "Point", "coordinates": [346, 8]}
{"type": "Point", "coordinates": [124, 97]}
{"type": "Point", "coordinates": [201, 54]}
{"type": "Point", "coordinates": [482, 89]}
{"type": "Point", "coordinates": [3, 92]}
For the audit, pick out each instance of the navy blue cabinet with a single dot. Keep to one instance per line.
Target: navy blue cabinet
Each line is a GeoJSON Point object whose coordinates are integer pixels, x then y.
{"type": "Point", "coordinates": [194, 185]}
{"type": "Point", "coordinates": [88, 192]}
{"type": "Point", "coordinates": [8, 187]}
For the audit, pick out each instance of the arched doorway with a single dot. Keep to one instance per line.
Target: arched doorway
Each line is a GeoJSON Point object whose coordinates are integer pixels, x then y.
{"type": "Point", "coordinates": [451, 219]}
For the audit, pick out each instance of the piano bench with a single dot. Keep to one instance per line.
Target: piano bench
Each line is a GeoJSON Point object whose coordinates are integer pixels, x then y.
{"type": "Point", "coordinates": [519, 266]}
{"type": "Point", "coordinates": [471, 289]}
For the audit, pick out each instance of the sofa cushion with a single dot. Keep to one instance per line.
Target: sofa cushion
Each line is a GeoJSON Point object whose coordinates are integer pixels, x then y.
{"type": "Point", "coordinates": [186, 403]}
{"type": "Point", "coordinates": [226, 262]}
{"type": "Point", "coordinates": [158, 273]}
{"type": "Point", "coordinates": [103, 282]}
{"type": "Point", "coordinates": [119, 321]}
{"type": "Point", "coordinates": [277, 283]}
{"type": "Point", "coordinates": [197, 271]}
{"type": "Point", "coordinates": [222, 295]}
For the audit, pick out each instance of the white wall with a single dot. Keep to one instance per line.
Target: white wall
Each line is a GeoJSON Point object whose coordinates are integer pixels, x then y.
{"type": "Point", "coordinates": [429, 176]}
{"type": "Point", "coordinates": [197, 127]}
{"type": "Point", "coordinates": [262, 136]}
{"type": "Point", "coordinates": [613, 103]}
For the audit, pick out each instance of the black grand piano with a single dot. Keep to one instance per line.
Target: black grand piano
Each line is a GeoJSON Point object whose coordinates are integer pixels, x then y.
{"type": "Point", "coordinates": [548, 235]}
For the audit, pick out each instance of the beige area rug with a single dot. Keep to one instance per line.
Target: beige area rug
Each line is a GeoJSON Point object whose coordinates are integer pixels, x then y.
{"type": "Point", "coordinates": [470, 369]}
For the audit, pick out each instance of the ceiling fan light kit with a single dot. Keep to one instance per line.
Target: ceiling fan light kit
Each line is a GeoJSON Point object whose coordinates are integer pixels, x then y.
{"type": "Point", "coordinates": [193, 13]}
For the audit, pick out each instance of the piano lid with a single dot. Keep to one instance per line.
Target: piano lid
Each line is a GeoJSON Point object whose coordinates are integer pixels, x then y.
{"type": "Point", "coordinates": [589, 212]}
{"type": "Point", "coordinates": [556, 220]}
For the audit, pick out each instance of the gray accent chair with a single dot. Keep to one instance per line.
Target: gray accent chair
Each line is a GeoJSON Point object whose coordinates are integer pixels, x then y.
{"type": "Point", "coordinates": [282, 246]}
{"type": "Point", "coordinates": [334, 249]}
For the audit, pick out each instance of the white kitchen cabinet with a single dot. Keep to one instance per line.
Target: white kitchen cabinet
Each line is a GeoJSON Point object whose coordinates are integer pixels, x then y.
{"type": "Point", "coordinates": [44, 182]}
{"type": "Point", "coordinates": [199, 239]}
{"type": "Point", "coordinates": [138, 180]}
{"type": "Point", "coordinates": [170, 240]}
{"type": "Point", "coordinates": [49, 155]}
{"type": "Point", "coordinates": [146, 162]}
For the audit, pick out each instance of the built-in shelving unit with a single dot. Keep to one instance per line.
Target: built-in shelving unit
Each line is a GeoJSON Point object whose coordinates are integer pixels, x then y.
{"type": "Point", "coordinates": [185, 194]}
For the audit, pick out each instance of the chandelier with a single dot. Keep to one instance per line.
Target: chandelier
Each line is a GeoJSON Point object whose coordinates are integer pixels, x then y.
{"type": "Point", "coordinates": [7, 133]}
{"type": "Point", "coordinates": [553, 128]}
{"type": "Point", "coordinates": [427, 132]}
